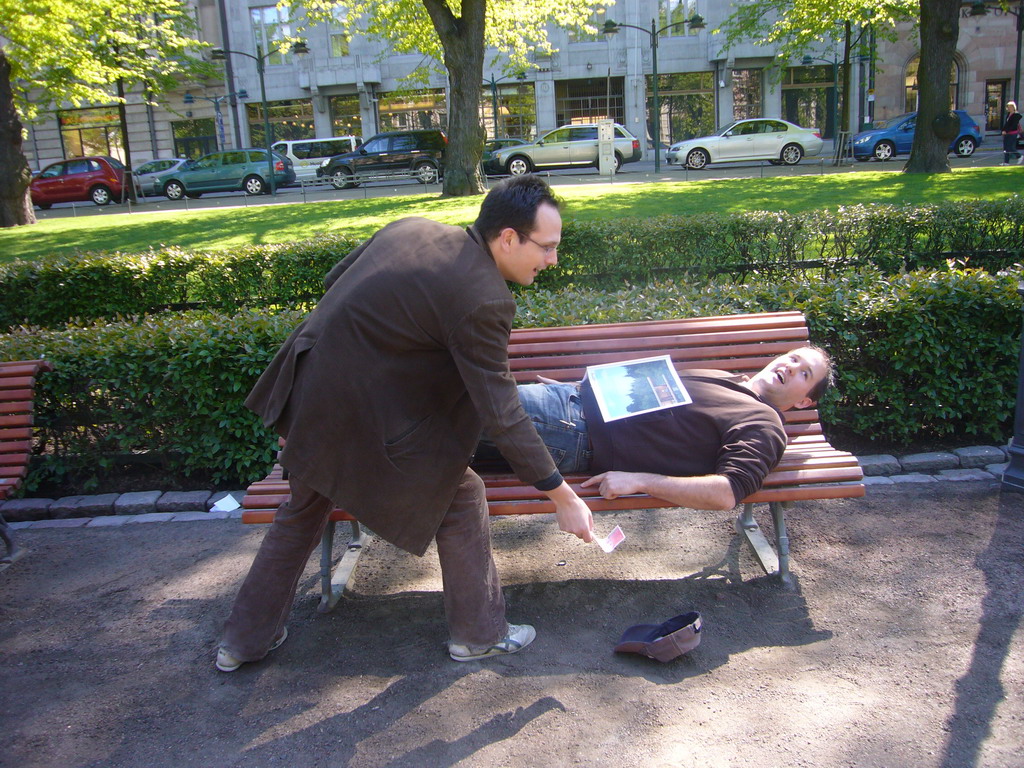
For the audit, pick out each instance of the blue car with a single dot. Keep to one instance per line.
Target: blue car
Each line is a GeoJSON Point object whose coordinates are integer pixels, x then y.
{"type": "Point", "coordinates": [895, 137]}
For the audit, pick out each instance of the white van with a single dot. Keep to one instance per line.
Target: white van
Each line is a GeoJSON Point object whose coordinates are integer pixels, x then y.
{"type": "Point", "coordinates": [307, 154]}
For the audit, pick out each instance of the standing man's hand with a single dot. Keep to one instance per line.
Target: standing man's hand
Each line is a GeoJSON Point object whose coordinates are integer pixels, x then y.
{"type": "Point", "coordinates": [573, 515]}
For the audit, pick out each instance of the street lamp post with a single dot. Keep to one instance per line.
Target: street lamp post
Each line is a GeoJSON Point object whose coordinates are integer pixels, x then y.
{"type": "Point", "coordinates": [221, 54]}
{"type": "Point", "coordinates": [695, 22]}
{"type": "Point", "coordinates": [834, 63]}
{"type": "Point", "coordinates": [216, 100]}
{"type": "Point", "coordinates": [979, 8]}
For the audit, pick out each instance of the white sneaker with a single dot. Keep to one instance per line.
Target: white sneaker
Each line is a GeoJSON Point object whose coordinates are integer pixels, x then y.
{"type": "Point", "coordinates": [228, 663]}
{"type": "Point", "coordinates": [1004, 163]}
{"type": "Point", "coordinates": [519, 636]}
{"type": "Point", "coordinates": [1020, 160]}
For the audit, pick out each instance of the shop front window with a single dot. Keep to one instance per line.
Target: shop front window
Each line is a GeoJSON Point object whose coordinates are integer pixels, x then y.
{"type": "Point", "coordinates": [412, 110]}
{"type": "Point", "coordinates": [345, 119]}
{"type": "Point", "coordinates": [95, 131]}
{"type": "Point", "coordinates": [516, 110]}
{"type": "Point", "coordinates": [747, 93]}
{"type": "Point", "coordinates": [687, 105]}
{"type": "Point", "coordinates": [290, 119]}
{"type": "Point", "coordinates": [590, 100]}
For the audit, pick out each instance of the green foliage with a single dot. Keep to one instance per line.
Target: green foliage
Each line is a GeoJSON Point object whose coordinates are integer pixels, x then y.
{"type": "Point", "coordinates": [793, 27]}
{"type": "Point", "coordinates": [170, 387]}
{"type": "Point", "coordinates": [75, 50]}
{"type": "Point", "coordinates": [923, 355]}
{"type": "Point", "coordinates": [762, 244]}
{"type": "Point", "coordinates": [106, 286]}
{"type": "Point", "coordinates": [780, 246]}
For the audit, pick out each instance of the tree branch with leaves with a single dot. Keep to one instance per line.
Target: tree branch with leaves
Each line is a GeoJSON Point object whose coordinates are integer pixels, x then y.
{"type": "Point", "coordinates": [456, 34]}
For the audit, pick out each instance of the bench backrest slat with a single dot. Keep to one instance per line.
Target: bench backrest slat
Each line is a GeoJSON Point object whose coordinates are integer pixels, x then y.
{"type": "Point", "coordinates": [17, 383]}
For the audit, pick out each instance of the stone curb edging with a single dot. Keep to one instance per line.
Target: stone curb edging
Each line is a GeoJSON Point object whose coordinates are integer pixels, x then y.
{"type": "Point", "coordinates": [112, 509]}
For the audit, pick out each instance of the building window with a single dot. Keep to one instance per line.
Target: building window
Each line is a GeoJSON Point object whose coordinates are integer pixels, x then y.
{"type": "Point", "coordinates": [589, 100]}
{"type": "Point", "coordinates": [410, 110]}
{"type": "Point", "coordinates": [516, 106]}
{"type": "Point", "coordinates": [747, 93]}
{"type": "Point", "coordinates": [674, 12]}
{"type": "Point", "coordinates": [292, 119]}
{"type": "Point", "coordinates": [193, 138]}
{"type": "Point", "coordinates": [687, 104]}
{"type": "Point", "coordinates": [340, 39]}
{"type": "Point", "coordinates": [345, 119]}
{"type": "Point", "coordinates": [95, 131]}
{"type": "Point", "coordinates": [910, 85]}
{"type": "Point", "coordinates": [807, 97]}
{"type": "Point", "coordinates": [596, 21]}
{"type": "Point", "coordinates": [270, 26]}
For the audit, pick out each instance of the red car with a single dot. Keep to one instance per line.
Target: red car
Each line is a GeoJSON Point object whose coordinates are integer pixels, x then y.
{"type": "Point", "coordinates": [99, 178]}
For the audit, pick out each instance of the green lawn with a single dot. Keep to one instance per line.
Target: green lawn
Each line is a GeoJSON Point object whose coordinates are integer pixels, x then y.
{"type": "Point", "coordinates": [215, 229]}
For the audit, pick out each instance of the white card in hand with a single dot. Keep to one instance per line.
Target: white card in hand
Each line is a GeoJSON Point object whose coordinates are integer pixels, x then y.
{"type": "Point", "coordinates": [613, 540]}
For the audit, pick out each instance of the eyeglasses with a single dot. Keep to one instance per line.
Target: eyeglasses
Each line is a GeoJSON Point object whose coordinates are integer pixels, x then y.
{"type": "Point", "coordinates": [548, 249]}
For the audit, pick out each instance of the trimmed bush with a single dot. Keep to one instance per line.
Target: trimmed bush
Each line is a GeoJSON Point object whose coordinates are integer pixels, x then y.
{"type": "Point", "coordinates": [929, 354]}
{"type": "Point", "coordinates": [767, 246]}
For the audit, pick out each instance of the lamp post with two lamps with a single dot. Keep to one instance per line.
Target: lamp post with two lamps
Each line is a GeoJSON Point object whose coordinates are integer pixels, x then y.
{"type": "Point", "coordinates": [220, 54]}
{"type": "Point", "coordinates": [216, 101]}
{"type": "Point", "coordinates": [612, 27]}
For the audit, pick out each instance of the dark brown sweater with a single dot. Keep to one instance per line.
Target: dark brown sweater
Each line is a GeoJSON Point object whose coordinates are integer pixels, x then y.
{"type": "Point", "coordinates": [726, 430]}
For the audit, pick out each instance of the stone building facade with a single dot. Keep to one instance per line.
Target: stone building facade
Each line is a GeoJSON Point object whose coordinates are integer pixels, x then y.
{"type": "Point", "coordinates": [347, 85]}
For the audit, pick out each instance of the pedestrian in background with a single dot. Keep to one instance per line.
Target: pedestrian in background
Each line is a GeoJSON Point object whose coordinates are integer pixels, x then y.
{"type": "Point", "coordinates": [1011, 130]}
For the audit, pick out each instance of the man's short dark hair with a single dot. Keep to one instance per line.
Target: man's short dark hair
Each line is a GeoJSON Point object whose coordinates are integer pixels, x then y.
{"type": "Point", "coordinates": [818, 390]}
{"type": "Point", "coordinates": [514, 203]}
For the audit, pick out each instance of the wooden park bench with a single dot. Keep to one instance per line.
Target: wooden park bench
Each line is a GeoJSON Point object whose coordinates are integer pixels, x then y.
{"type": "Point", "coordinates": [809, 469]}
{"type": "Point", "coordinates": [17, 388]}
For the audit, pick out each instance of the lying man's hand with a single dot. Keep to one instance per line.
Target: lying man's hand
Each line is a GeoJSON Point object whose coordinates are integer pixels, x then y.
{"type": "Point", "coordinates": [614, 484]}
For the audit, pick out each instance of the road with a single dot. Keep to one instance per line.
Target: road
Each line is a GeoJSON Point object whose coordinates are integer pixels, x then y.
{"type": "Point", "coordinates": [633, 173]}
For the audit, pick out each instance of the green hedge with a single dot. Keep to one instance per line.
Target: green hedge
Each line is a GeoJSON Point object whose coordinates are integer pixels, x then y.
{"type": "Point", "coordinates": [608, 254]}
{"type": "Point", "coordinates": [782, 246]}
{"type": "Point", "coordinates": [95, 286]}
{"type": "Point", "coordinates": [922, 355]}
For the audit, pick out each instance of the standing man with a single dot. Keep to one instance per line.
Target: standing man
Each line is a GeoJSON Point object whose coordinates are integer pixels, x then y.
{"type": "Point", "coordinates": [382, 393]}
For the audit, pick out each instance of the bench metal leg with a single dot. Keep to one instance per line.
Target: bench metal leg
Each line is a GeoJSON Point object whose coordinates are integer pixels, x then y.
{"type": "Point", "coordinates": [14, 549]}
{"type": "Point", "coordinates": [771, 562]}
{"type": "Point", "coordinates": [333, 585]}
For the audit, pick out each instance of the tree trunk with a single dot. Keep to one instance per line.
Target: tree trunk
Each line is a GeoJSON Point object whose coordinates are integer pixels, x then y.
{"type": "Point", "coordinates": [15, 176]}
{"type": "Point", "coordinates": [463, 43]}
{"type": "Point", "coordinates": [940, 29]}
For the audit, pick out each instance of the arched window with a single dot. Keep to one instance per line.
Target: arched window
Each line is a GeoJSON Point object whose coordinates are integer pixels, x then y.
{"type": "Point", "coordinates": [910, 84]}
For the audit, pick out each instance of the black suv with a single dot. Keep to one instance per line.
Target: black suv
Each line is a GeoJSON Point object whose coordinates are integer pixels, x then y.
{"type": "Point", "coordinates": [418, 153]}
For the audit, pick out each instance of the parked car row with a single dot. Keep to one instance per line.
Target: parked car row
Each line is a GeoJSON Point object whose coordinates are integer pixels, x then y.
{"type": "Point", "coordinates": [101, 178]}
{"type": "Point", "coordinates": [421, 154]}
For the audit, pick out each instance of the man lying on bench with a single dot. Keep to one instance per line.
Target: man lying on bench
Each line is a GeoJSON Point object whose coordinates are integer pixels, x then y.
{"type": "Point", "coordinates": [708, 454]}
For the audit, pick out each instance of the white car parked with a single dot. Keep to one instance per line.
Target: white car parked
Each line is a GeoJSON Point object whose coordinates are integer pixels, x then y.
{"type": "Point", "coordinates": [777, 141]}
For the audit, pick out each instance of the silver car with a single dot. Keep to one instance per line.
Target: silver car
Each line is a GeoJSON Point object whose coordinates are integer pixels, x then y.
{"type": "Point", "coordinates": [147, 174]}
{"type": "Point", "coordinates": [570, 146]}
{"type": "Point", "coordinates": [778, 141]}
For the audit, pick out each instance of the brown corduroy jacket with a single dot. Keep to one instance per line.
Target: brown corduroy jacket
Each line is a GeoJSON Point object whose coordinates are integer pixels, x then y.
{"type": "Point", "coordinates": [383, 390]}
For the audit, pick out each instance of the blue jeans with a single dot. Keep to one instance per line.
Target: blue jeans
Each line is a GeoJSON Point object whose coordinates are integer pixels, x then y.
{"type": "Point", "coordinates": [557, 414]}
